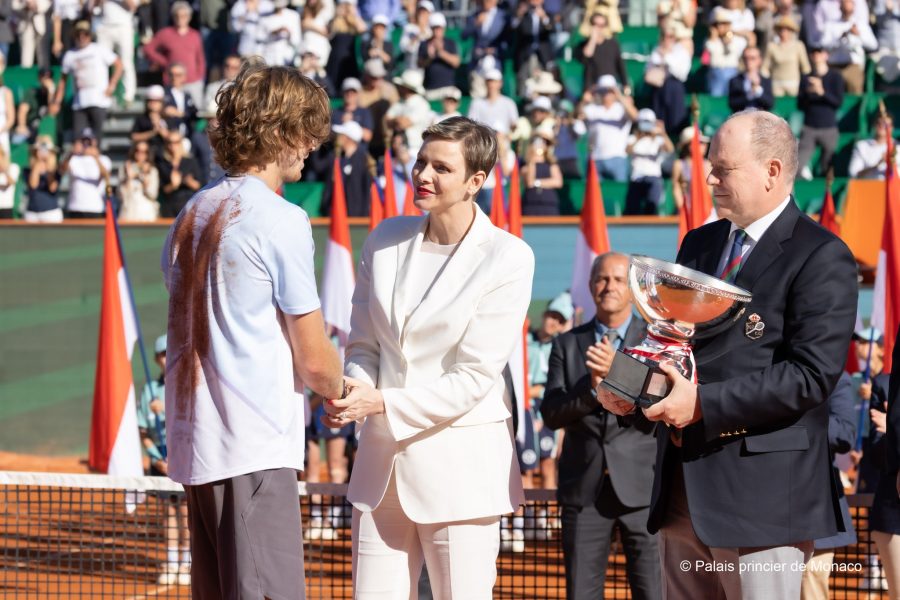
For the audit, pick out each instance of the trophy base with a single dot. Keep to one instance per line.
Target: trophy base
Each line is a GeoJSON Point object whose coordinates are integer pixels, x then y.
{"type": "Point", "coordinates": [641, 383]}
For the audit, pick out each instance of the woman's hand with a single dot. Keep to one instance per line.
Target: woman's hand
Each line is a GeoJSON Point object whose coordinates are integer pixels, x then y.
{"type": "Point", "coordinates": [361, 401]}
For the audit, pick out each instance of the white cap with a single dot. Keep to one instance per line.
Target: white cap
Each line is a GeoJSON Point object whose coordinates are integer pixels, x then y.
{"type": "Point", "coordinates": [351, 129]}
{"type": "Point", "coordinates": [351, 83]}
{"type": "Point", "coordinates": [541, 103]}
{"type": "Point", "coordinates": [607, 82]}
{"type": "Point", "coordinates": [381, 20]}
{"type": "Point", "coordinates": [451, 92]}
{"type": "Point", "coordinates": [374, 67]}
{"type": "Point", "coordinates": [155, 92]}
{"type": "Point", "coordinates": [720, 14]}
{"type": "Point", "coordinates": [437, 20]}
{"type": "Point", "coordinates": [646, 114]}
{"type": "Point", "coordinates": [493, 75]}
{"type": "Point", "coordinates": [411, 79]}
{"type": "Point", "coordinates": [427, 5]}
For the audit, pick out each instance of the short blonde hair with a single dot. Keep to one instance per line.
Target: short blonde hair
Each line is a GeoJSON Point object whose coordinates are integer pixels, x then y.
{"type": "Point", "coordinates": [479, 142]}
{"type": "Point", "coordinates": [266, 112]}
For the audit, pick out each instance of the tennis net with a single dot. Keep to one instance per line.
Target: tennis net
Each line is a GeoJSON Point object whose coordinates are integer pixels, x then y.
{"type": "Point", "coordinates": [96, 536]}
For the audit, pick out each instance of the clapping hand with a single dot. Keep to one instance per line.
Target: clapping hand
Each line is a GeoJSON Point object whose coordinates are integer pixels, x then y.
{"type": "Point", "coordinates": [361, 401]}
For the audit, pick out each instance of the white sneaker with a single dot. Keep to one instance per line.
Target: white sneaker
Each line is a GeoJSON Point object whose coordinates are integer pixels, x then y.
{"type": "Point", "coordinates": [169, 574]}
{"type": "Point", "coordinates": [518, 541]}
{"type": "Point", "coordinates": [184, 574]}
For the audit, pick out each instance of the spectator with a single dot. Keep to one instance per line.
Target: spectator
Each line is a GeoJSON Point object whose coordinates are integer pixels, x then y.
{"type": "Point", "coordinates": [495, 110]}
{"type": "Point", "coordinates": [600, 53]}
{"type": "Point", "coordinates": [412, 113]}
{"type": "Point", "coordinates": [821, 94]}
{"type": "Point", "coordinates": [34, 106]}
{"type": "Point", "coordinates": [610, 8]}
{"type": "Point", "coordinates": [153, 126]}
{"type": "Point", "coordinates": [33, 17]}
{"type": "Point", "coordinates": [389, 9]}
{"type": "Point", "coordinates": [841, 437]}
{"type": "Point", "coordinates": [281, 35]}
{"type": "Point", "coordinates": [88, 64]}
{"type": "Point", "coordinates": [750, 89]}
{"type": "Point", "coordinates": [354, 163]}
{"type": "Point", "coordinates": [542, 176]}
{"type": "Point", "coordinates": [678, 14]}
{"type": "Point", "coordinates": [246, 22]}
{"type": "Point", "coordinates": [317, 16]}
{"type": "Point", "coordinates": [670, 54]}
{"type": "Point", "coordinates": [9, 177]}
{"type": "Point", "coordinates": [724, 49]}
{"type": "Point", "coordinates": [533, 28]}
{"type": "Point", "coordinates": [608, 115]}
{"type": "Point", "coordinates": [605, 471]}
{"type": "Point", "coordinates": [115, 32]}
{"type": "Point", "coordinates": [887, 24]}
{"type": "Point", "coordinates": [311, 66]}
{"type": "Point", "coordinates": [848, 40]}
{"type": "Point", "coordinates": [352, 111]}
{"type": "Point", "coordinates": [647, 149]}
{"type": "Point", "coordinates": [869, 156]}
{"type": "Point", "coordinates": [180, 43]}
{"type": "Point", "coordinates": [439, 58]}
{"type": "Point", "coordinates": [42, 183]}
{"type": "Point", "coordinates": [179, 176]}
{"type": "Point", "coordinates": [542, 83]}
{"type": "Point", "coordinates": [64, 15]}
{"type": "Point", "coordinates": [178, 106]}
{"type": "Point", "coordinates": [377, 45]}
{"type": "Point", "coordinates": [870, 384]}
{"type": "Point", "coordinates": [139, 185]}
{"type": "Point", "coordinates": [829, 11]}
{"type": "Point", "coordinates": [378, 96]}
{"type": "Point", "coordinates": [218, 41]}
{"type": "Point", "coordinates": [538, 114]}
{"type": "Point", "coordinates": [88, 172]}
{"type": "Point", "coordinates": [151, 420]}
{"type": "Point", "coordinates": [345, 28]}
{"type": "Point", "coordinates": [768, 32]}
{"type": "Point", "coordinates": [742, 21]}
{"type": "Point", "coordinates": [568, 131]}
{"type": "Point", "coordinates": [7, 114]}
{"type": "Point", "coordinates": [786, 60]}
{"type": "Point", "coordinates": [487, 27]}
{"type": "Point", "coordinates": [449, 104]}
{"type": "Point", "coordinates": [682, 170]}
{"type": "Point", "coordinates": [666, 100]}
{"type": "Point", "coordinates": [415, 32]}
{"type": "Point", "coordinates": [322, 517]}
{"type": "Point", "coordinates": [231, 67]}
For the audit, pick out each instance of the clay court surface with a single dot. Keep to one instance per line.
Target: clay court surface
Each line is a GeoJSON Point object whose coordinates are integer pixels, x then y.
{"type": "Point", "coordinates": [81, 543]}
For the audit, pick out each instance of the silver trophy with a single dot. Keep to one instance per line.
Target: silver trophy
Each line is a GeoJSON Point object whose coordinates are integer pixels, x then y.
{"type": "Point", "coordinates": [680, 305]}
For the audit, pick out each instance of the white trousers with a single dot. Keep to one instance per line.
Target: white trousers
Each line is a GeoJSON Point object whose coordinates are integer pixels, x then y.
{"type": "Point", "coordinates": [389, 550]}
{"type": "Point", "coordinates": [120, 39]}
{"type": "Point", "coordinates": [33, 44]}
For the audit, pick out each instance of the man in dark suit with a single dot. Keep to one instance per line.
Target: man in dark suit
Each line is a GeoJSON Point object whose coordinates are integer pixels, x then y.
{"type": "Point", "coordinates": [748, 482]}
{"type": "Point", "coordinates": [532, 27]}
{"type": "Point", "coordinates": [605, 471]}
{"type": "Point", "coordinates": [750, 89]}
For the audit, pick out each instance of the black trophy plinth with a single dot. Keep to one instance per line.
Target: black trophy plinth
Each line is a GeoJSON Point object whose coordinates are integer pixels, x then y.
{"type": "Point", "coordinates": [638, 382]}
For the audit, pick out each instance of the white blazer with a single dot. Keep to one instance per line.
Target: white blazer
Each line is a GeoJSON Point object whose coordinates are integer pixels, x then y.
{"type": "Point", "coordinates": [446, 433]}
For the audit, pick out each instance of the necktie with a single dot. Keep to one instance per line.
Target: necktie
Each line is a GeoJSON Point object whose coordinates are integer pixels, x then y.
{"type": "Point", "coordinates": [735, 257]}
{"type": "Point", "coordinates": [612, 336]}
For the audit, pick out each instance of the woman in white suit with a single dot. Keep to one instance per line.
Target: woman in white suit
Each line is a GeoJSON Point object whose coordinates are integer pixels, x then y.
{"type": "Point", "coordinates": [438, 305]}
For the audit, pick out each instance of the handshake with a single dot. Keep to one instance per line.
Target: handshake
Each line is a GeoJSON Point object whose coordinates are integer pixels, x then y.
{"type": "Point", "coordinates": [358, 401]}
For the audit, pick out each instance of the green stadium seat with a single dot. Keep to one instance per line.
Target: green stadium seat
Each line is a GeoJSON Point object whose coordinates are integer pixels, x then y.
{"type": "Point", "coordinates": [810, 194]}
{"type": "Point", "coordinates": [713, 112]}
{"type": "Point", "coordinates": [572, 75]}
{"type": "Point", "coordinates": [850, 115]}
{"type": "Point", "coordinates": [307, 195]}
{"type": "Point", "coordinates": [572, 197]}
{"type": "Point", "coordinates": [639, 40]}
{"type": "Point", "coordinates": [668, 204]}
{"type": "Point", "coordinates": [635, 70]}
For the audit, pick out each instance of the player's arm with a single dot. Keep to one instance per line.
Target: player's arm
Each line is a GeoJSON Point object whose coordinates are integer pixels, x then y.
{"type": "Point", "coordinates": [316, 359]}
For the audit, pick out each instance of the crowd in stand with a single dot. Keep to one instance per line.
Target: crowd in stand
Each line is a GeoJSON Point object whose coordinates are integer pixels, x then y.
{"type": "Point", "coordinates": [399, 66]}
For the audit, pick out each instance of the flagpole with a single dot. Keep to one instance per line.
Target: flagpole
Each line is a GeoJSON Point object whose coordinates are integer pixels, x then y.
{"type": "Point", "coordinates": [134, 311]}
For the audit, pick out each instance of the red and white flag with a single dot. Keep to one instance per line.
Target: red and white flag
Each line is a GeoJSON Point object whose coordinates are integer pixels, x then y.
{"type": "Point", "coordinates": [115, 446]}
{"type": "Point", "coordinates": [498, 211]}
{"type": "Point", "coordinates": [698, 208]}
{"type": "Point", "coordinates": [828, 214]}
{"type": "Point", "coordinates": [518, 362]}
{"type": "Point", "coordinates": [376, 207]}
{"type": "Point", "coordinates": [390, 190]}
{"type": "Point", "coordinates": [592, 240]}
{"type": "Point", "coordinates": [409, 206]}
{"type": "Point", "coordinates": [886, 309]}
{"type": "Point", "coordinates": [337, 272]}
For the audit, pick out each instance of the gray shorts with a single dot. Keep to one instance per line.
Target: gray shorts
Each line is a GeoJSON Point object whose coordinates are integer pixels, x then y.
{"type": "Point", "coordinates": [245, 537]}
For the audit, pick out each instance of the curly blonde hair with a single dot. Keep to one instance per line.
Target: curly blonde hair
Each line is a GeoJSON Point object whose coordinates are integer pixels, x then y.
{"type": "Point", "coordinates": [266, 112]}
